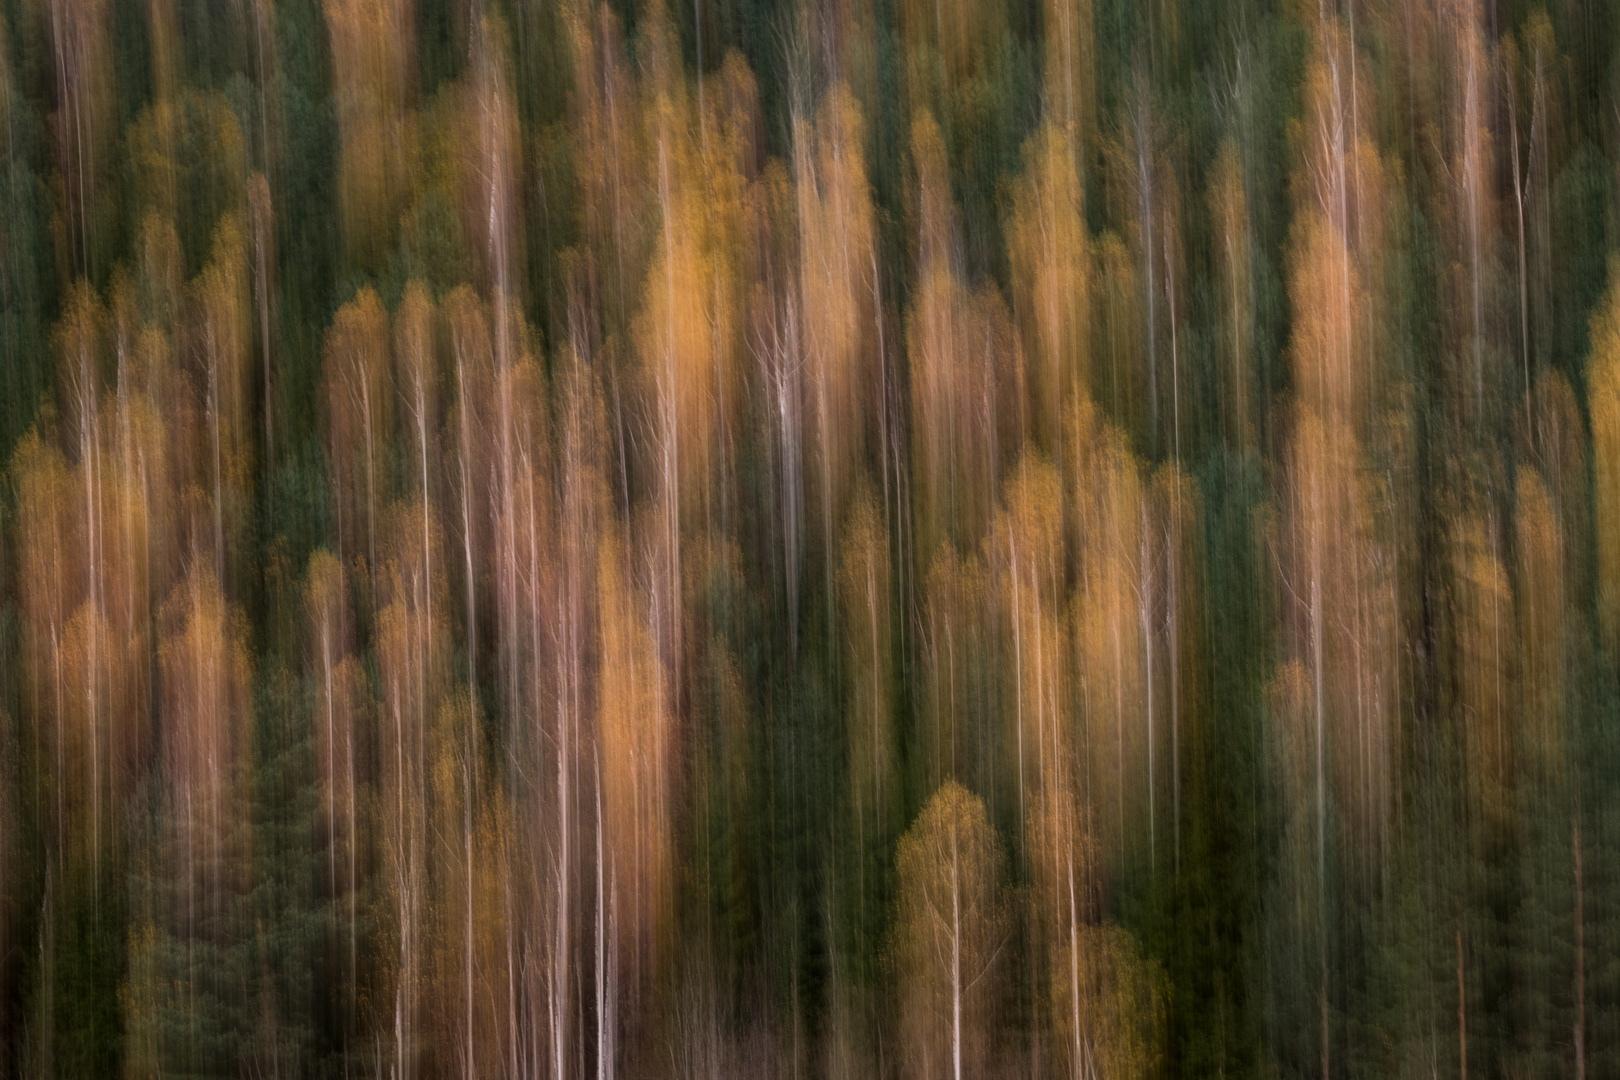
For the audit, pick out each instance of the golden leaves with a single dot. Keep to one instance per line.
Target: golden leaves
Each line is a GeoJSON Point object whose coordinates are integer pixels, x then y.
{"type": "Point", "coordinates": [1047, 244]}
{"type": "Point", "coordinates": [206, 699]}
{"type": "Point", "coordinates": [373, 65]}
{"type": "Point", "coordinates": [949, 932]}
{"type": "Point", "coordinates": [359, 402]}
{"type": "Point", "coordinates": [963, 354]}
{"type": "Point", "coordinates": [836, 267]}
{"type": "Point", "coordinates": [1603, 388]}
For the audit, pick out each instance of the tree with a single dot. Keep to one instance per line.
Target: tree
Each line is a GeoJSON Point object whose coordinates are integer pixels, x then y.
{"type": "Point", "coordinates": [1025, 546]}
{"type": "Point", "coordinates": [373, 67]}
{"type": "Point", "coordinates": [221, 333]}
{"type": "Point", "coordinates": [1145, 196]}
{"type": "Point", "coordinates": [612, 165]}
{"type": "Point", "coordinates": [493, 173]}
{"type": "Point", "coordinates": [837, 263]}
{"type": "Point", "coordinates": [473, 464]}
{"type": "Point", "coordinates": [84, 123]}
{"type": "Point", "coordinates": [188, 165]}
{"type": "Point", "coordinates": [264, 259]}
{"type": "Point", "coordinates": [636, 747]}
{"type": "Point", "coordinates": [863, 604]}
{"type": "Point", "coordinates": [955, 723]}
{"type": "Point", "coordinates": [1048, 249]}
{"type": "Point", "coordinates": [1128, 1000]}
{"type": "Point", "coordinates": [206, 753]}
{"type": "Point", "coordinates": [342, 763]}
{"type": "Point", "coordinates": [1482, 620]}
{"type": "Point", "coordinates": [1115, 570]}
{"type": "Point", "coordinates": [949, 934]}
{"type": "Point", "coordinates": [1539, 537]}
{"type": "Point", "coordinates": [963, 355]}
{"type": "Point", "coordinates": [1118, 323]}
{"type": "Point", "coordinates": [48, 588]}
{"type": "Point", "coordinates": [1470, 207]}
{"type": "Point", "coordinates": [358, 399]}
{"type": "Point", "coordinates": [1071, 69]}
{"type": "Point", "coordinates": [1603, 382]}
{"type": "Point", "coordinates": [1534, 123]}
{"type": "Point", "coordinates": [413, 658]}
{"type": "Point", "coordinates": [1229, 209]}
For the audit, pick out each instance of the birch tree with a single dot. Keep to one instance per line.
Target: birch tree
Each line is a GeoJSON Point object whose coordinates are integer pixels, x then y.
{"type": "Point", "coordinates": [374, 66]}
{"type": "Point", "coordinates": [1048, 250]}
{"type": "Point", "coordinates": [836, 267]}
{"type": "Point", "coordinates": [864, 612]}
{"type": "Point", "coordinates": [358, 399]}
{"type": "Point", "coordinates": [222, 340]}
{"type": "Point", "coordinates": [949, 936]}
{"type": "Point", "coordinates": [1603, 381]}
{"type": "Point", "coordinates": [962, 353]}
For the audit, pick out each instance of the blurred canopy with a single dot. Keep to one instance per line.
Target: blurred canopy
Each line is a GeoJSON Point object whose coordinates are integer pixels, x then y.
{"type": "Point", "coordinates": [808, 537]}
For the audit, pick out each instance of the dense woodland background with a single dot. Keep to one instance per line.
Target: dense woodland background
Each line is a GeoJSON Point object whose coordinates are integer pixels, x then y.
{"type": "Point", "coordinates": [809, 538]}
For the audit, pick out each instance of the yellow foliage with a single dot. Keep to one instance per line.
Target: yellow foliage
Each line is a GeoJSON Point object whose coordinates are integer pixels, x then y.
{"type": "Point", "coordinates": [207, 681]}
{"type": "Point", "coordinates": [1555, 440]}
{"type": "Point", "coordinates": [1126, 997]}
{"type": "Point", "coordinates": [359, 401]}
{"type": "Point", "coordinates": [1112, 562]}
{"type": "Point", "coordinates": [963, 353]}
{"type": "Point", "coordinates": [373, 67]}
{"type": "Point", "coordinates": [949, 934]}
{"type": "Point", "coordinates": [1335, 267]}
{"type": "Point", "coordinates": [160, 271]}
{"type": "Point", "coordinates": [48, 578]}
{"type": "Point", "coordinates": [959, 36]}
{"type": "Point", "coordinates": [1339, 619]}
{"type": "Point", "coordinates": [417, 376]}
{"type": "Point", "coordinates": [837, 262]}
{"type": "Point", "coordinates": [688, 331]}
{"type": "Point", "coordinates": [1603, 390]}
{"type": "Point", "coordinates": [1025, 546]}
{"type": "Point", "coordinates": [1047, 248]}
{"type": "Point", "coordinates": [188, 160]}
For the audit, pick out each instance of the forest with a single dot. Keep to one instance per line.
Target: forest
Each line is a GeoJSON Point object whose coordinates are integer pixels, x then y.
{"type": "Point", "coordinates": [810, 538]}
